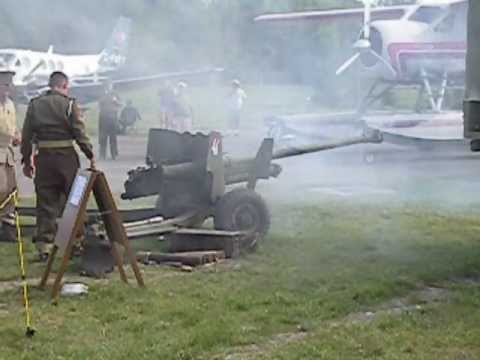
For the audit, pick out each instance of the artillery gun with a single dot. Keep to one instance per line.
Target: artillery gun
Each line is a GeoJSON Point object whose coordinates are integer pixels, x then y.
{"type": "Point", "coordinates": [194, 180]}
{"type": "Point", "coordinates": [190, 174]}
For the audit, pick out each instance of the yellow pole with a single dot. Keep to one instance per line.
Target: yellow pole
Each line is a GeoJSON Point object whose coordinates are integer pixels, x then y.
{"type": "Point", "coordinates": [29, 331]}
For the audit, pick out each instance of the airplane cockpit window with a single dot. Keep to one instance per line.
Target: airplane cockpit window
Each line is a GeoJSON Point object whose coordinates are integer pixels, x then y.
{"type": "Point", "coordinates": [427, 14]}
{"type": "Point", "coordinates": [18, 63]}
{"type": "Point", "coordinates": [446, 24]}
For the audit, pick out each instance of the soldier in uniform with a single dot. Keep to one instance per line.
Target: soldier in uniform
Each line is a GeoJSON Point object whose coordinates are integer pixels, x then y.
{"type": "Point", "coordinates": [53, 122]}
{"type": "Point", "coordinates": [108, 126]}
{"type": "Point", "coordinates": [8, 137]}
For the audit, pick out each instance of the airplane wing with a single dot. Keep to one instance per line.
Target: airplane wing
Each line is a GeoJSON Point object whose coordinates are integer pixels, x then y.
{"type": "Point", "coordinates": [378, 13]}
{"type": "Point", "coordinates": [442, 2]}
{"type": "Point", "coordinates": [90, 89]}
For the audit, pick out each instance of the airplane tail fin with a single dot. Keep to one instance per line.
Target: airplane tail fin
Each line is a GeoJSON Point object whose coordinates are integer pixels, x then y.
{"type": "Point", "coordinates": [115, 52]}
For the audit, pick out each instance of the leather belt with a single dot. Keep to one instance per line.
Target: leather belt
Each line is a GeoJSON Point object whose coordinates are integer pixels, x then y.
{"type": "Point", "coordinates": [54, 144]}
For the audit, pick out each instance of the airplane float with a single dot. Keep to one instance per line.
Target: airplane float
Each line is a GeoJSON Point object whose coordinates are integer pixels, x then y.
{"type": "Point", "coordinates": [421, 46]}
{"type": "Point", "coordinates": [88, 73]}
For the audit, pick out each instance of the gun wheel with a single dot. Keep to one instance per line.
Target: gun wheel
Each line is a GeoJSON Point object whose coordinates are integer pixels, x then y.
{"type": "Point", "coordinates": [242, 209]}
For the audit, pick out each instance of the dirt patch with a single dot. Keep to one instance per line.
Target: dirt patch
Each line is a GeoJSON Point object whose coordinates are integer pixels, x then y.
{"type": "Point", "coordinates": [3, 309]}
{"type": "Point", "coordinates": [33, 282]}
{"type": "Point", "coordinates": [415, 301]}
{"type": "Point", "coordinates": [252, 351]}
{"type": "Point", "coordinates": [473, 281]}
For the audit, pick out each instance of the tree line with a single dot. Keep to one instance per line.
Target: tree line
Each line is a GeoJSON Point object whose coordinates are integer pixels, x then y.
{"type": "Point", "coordinates": [169, 35]}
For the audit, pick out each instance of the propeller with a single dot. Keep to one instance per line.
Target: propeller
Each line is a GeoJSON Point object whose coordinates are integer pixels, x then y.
{"type": "Point", "coordinates": [363, 45]}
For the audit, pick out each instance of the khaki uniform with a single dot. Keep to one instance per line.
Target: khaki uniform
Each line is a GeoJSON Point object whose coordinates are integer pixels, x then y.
{"type": "Point", "coordinates": [8, 183]}
{"type": "Point", "coordinates": [53, 122]}
{"type": "Point", "coordinates": [108, 124]}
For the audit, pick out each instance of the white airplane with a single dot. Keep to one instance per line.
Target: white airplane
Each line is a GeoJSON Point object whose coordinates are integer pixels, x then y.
{"type": "Point", "coordinates": [423, 44]}
{"type": "Point", "coordinates": [34, 67]}
{"type": "Point", "coordinates": [88, 73]}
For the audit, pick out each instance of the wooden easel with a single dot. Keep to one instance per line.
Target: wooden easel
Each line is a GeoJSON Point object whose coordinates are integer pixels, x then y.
{"type": "Point", "coordinates": [72, 220]}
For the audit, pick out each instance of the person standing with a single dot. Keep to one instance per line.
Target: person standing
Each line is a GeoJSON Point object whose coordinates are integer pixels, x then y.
{"type": "Point", "coordinates": [54, 123]}
{"type": "Point", "coordinates": [128, 117]}
{"type": "Point", "coordinates": [235, 102]}
{"type": "Point", "coordinates": [166, 99]}
{"type": "Point", "coordinates": [8, 137]}
{"type": "Point", "coordinates": [109, 106]}
{"type": "Point", "coordinates": [182, 112]}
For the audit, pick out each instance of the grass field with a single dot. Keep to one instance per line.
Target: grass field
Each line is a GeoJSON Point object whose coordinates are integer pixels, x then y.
{"type": "Point", "coordinates": [293, 299]}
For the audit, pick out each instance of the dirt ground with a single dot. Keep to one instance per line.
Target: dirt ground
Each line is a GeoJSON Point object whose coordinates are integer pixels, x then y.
{"type": "Point", "coordinates": [445, 177]}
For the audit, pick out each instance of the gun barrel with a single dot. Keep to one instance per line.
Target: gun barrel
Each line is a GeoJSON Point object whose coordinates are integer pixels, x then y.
{"type": "Point", "coordinates": [241, 175]}
{"type": "Point", "coordinates": [182, 171]}
{"type": "Point", "coordinates": [374, 137]}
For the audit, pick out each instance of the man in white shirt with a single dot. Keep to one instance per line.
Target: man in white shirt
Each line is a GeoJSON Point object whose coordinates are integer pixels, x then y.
{"type": "Point", "coordinates": [236, 100]}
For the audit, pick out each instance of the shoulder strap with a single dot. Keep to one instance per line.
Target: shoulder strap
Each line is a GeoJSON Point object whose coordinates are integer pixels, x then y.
{"type": "Point", "coordinates": [70, 108]}
{"type": "Point", "coordinates": [69, 114]}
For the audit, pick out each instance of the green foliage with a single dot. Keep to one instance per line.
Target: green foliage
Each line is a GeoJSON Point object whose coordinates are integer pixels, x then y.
{"type": "Point", "coordinates": [169, 34]}
{"type": "Point", "coordinates": [172, 35]}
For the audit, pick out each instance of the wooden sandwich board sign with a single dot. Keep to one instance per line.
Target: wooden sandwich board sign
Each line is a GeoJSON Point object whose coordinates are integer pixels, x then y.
{"type": "Point", "coordinates": [72, 221]}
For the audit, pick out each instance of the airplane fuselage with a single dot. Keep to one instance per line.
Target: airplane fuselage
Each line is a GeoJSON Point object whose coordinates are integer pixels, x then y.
{"type": "Point", "coordinates": [414, 46]}
{"type": "Point", "coordinates": [35, 65]}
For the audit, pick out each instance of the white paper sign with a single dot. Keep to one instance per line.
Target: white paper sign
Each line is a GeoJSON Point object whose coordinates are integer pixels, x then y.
{"type": "Point", "coordinates": [78, 190]}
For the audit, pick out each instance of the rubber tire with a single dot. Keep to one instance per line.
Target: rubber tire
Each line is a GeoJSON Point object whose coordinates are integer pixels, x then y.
{"type": "Point", "coordinates": [234, 200]}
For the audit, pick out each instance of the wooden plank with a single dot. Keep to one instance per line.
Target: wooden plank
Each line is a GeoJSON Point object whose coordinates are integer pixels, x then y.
{"type": "Point", "coordinates": [210, 232]}
{"type": "Point", "coordinates": [188, 241]}
{"type": "Point", "coordinates": [48, 269]}
{"type": "Point", "coordinates": [113, 223]}
{"type": "Point", "coordinates": [74, 209]}
{"type": "Point", "coordinates": [194, 258]}
{"type": "Point", "coordinates": [70, 223]}
{"type": "Point", "coordinates": [130, 215]}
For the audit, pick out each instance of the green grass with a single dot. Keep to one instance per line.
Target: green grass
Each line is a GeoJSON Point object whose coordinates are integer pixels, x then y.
{"type": "Point", "coordinates": [318, 265]}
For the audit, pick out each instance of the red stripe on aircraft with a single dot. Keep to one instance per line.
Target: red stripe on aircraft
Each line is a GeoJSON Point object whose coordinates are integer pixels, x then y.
{"type": "Point", "coordinates": [441, 49]}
